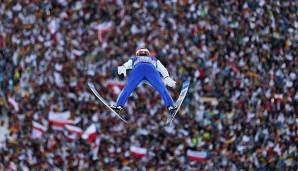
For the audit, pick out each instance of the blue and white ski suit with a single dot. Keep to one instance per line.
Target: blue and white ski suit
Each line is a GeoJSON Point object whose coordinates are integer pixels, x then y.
{"type": "Point", "coordinates": [146, 68]}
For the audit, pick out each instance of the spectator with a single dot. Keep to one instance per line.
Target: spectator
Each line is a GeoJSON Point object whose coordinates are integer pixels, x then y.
{"type": "Point", "coordinates": [243, 54]}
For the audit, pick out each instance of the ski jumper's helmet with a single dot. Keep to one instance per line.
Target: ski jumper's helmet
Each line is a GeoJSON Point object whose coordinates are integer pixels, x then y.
{"type": "Point", "coordinates": [142, 52]}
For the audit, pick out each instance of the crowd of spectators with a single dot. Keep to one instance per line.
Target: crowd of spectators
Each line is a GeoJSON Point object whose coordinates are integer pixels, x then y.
{"type": "Point", "coordinates": [241, 58]}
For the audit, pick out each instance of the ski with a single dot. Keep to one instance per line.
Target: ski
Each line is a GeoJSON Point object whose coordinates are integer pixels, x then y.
{"type": "Point", "coordinates": [93, 89]}
{"type": "Point", "coordinates": [179, 101]}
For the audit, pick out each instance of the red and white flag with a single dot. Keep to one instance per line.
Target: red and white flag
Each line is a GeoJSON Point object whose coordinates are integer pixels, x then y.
{"type": "Point", "coordinates": [201, 156]}
{"type": "Point", "coordinates": [90, 133]}
{"type": "Point", "coordinates": [73, 132]}
{"type": "Point", "coordinates": [102, 29]}
{"type": "Point", "coordinates": [58, 120]}
{"type": "Point", "coordinates": [138, 152]}
{"type": "Point", "coordinates": [37, 129]}
{"type": "Point", "coordinates": [14, 104]}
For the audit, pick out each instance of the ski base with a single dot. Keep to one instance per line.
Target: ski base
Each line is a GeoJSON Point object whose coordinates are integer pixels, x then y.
{"type": "Point", "coordinates": [93, 89]}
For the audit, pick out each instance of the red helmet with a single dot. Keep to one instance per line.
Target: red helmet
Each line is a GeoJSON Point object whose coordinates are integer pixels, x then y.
{"type": "Point", "coordinates": [142, 52]}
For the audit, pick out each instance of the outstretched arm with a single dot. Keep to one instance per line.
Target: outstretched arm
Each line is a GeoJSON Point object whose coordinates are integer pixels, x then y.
{"type": "Point", "coordinates": [165, 74]}
{"type": "Point", "coordinates": [162, 69]}
{"type": "Point", "coordinates": [128, 64]}
{"type": "Point", "coordinates": [122, 69]}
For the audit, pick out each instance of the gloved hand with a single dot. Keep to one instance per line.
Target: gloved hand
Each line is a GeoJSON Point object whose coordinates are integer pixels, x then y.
{"type": "Point", "coordinates": [169, 82]}
{"type": "Point", "coordinates": [122, 70]}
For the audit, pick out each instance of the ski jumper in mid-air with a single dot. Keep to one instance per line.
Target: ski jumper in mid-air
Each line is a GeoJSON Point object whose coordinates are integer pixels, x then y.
{"type": "Point", "coordinates": [145, 68]}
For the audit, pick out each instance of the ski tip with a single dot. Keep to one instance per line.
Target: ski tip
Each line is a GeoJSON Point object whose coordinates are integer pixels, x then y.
{"type": "Point", "coordinates": [186, 83]}
{"type": "Point", "coordinates": [90, 84]}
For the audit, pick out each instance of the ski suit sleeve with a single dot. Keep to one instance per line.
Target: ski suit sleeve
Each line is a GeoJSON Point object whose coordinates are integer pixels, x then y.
{"type": "Point", "coordinates": [162, 69]}
{"type": "Point", "coordinates": [122, 69]}
{"type": "Point", "coordinates": [128, 64]}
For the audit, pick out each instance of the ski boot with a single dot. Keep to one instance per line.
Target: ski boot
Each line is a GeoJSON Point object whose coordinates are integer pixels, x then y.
{"type": "Point", "coordinates": [172, 110]}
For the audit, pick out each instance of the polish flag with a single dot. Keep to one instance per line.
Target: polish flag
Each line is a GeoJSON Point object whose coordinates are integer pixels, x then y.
{"type": "Point", "coordinates": [37, 129]}
{"type": "Point", "coordinates": [103, 28]}
{"type": "Point", "coordinates": [138, 152]}
{"type": "Point", "coordinates": [73, 132]}
{"type": "Point", "coordinates": [90, 133]}
{"type": "Point", "coordinates": [14, 104]}
{"type": "Point", "coordinates": [200, 156]}
{"type": "Point", "coordinates": [59, 119]}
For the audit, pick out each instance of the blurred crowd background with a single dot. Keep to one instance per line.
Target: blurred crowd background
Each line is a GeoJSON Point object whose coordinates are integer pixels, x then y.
{"type": "Point", "coordinates": [241, 58]}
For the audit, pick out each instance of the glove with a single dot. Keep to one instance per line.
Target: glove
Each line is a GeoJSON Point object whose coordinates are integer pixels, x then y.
{"type": "Point", "coordinates": [169, 82]}
{"type": "Point", "coordinates": [122, 70]}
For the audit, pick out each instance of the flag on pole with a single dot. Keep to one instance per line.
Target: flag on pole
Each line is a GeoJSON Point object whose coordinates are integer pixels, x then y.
{"type": "Point", "coordinates": [37, 129]}
{"type": "Point", "coordinates": [90, 133]}
{"type": "Point", "coordinates": [138, 152]}
{"type": "Point", "coordinates": [201, 156]}
{"type": "Point", "coordinates": [58, 120]}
